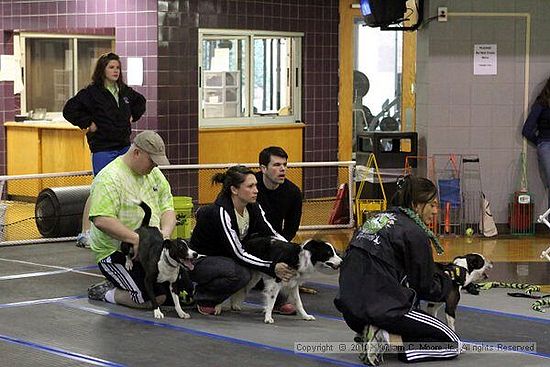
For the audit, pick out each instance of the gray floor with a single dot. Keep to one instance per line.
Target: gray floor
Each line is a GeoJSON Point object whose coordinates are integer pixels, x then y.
{"type": "Point", "coordinates": [46, 320]}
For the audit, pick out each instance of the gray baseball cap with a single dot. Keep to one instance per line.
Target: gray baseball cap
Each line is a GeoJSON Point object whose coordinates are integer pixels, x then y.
{"type": "Point", "coordinates": [151, 143]}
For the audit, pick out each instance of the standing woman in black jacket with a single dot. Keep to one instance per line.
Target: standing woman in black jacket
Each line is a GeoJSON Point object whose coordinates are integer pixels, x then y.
{"type": "Point", "coordinates": [388, 267]}
{"type": "Point", "coordinates": [106, 107]}
{"type": "Point", "coordinates": [536, 129]}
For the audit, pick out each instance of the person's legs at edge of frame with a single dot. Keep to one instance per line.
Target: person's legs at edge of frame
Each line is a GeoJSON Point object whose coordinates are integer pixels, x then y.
{"type": "Point", "coordinates": [543, 155]}
{"type": "Point", "coordinates": [99, 161]}
{"type": "Point", "coordinates": [216, 278]}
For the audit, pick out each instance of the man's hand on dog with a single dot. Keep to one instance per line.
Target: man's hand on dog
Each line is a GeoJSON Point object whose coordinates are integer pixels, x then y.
{"type": "Point", "coordinates": [456, 273]}
{"type": "Point", "coordinates": [135, 245]}
{"type": "Point", "coordinates": [284, 272]}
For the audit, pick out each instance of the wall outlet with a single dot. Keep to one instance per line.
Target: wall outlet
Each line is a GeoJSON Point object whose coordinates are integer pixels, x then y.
{"type": "Point", "coordinates": [442, 14]}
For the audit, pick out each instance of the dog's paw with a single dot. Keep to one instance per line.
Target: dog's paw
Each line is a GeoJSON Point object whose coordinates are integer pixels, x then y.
{"type": "Point", "coordinates": [158, 314]}
{"type": "Point", "coordinates": [308, 317]}
{"type": "Point", "coordinates": [269, 320]}
{"type": "Point", "coordinates": [472, 288]}
{"type": "Point", "coordinates": [129, 265]}
{"type": "Point", "coordinates": [218, 310]}
{"type": "Point", "coordinates": [183, 315]}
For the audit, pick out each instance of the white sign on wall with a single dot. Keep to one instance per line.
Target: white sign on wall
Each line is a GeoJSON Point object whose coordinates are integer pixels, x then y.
{"type": "Point", "coordinates": [134, 71]}
{"type": "Point", "coordinates": [485, 59]}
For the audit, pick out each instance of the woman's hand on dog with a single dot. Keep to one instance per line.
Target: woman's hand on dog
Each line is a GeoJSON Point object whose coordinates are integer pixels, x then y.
{"type": "Point", "coordinates": [284, 272]}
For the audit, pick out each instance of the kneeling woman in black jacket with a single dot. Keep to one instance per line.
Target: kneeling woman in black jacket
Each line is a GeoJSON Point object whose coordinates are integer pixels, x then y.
{"type": "Point", "coordinates": [220, 231]}
{"type": "Point", "coordinates": [387, 269]}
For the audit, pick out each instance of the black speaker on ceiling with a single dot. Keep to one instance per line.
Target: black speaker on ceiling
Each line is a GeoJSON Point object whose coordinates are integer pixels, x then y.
{"type": "Point", "coordinates": [381, 13]}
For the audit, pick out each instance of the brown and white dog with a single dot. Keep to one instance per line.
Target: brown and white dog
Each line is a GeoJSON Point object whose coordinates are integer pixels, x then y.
{"type": "Point", "coordinates": [476, 266]}
{"type": "Point", "coordinates": [304, 258]}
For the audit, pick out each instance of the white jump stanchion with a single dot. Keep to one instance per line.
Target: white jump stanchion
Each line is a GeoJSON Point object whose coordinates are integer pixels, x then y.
{"type": "Point", "coordinates": [544, 219]}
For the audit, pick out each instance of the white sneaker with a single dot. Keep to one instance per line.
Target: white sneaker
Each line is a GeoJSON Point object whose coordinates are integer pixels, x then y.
{"type": "Point", "coordinates": [97, 291]}
{"type": "Point", "coordinates": [83, 239]}
{"type": "Point", "coordinates": [377, 341]}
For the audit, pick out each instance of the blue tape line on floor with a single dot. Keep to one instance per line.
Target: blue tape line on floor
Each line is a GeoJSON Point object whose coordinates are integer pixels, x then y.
{"type": "Point", "coordinates": [244, 342]}
{"type": "Point", "coordinates": [505, 314]}
{"type": "Point", "coordinates": [536, 354]}
{"type": "Point", "coordinates": [234, 340]}
{"type": "Point", "coordinates": [60, 352]}
{"type": "Point", "coordinates": [463, 307]}
{"type": "Point", "coordinates": [328, 317]}
{"type": "Point", "coordinates": [217, 337]}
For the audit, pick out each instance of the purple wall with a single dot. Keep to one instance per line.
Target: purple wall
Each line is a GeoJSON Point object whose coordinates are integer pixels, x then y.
{"type": "Point", "coordinates": [135, 25]}
{"type": "Point", "coordinates": [165, 34]}
{"type": "Point", "coordinates": [178, 57]}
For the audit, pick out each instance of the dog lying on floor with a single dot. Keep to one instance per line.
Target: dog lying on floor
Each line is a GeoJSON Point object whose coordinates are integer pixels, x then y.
{"type": "Point", "coordinates": [476, 266]}
{"type": "Point", "coordinates": [303, 258]}
{"type": "Point", "coordinates": [161, 260]}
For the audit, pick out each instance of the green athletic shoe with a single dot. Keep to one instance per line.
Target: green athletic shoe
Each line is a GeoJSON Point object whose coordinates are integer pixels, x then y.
{"type": "Point", "coordinates": [376, 345]}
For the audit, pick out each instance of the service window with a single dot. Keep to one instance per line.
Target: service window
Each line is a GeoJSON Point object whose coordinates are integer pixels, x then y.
{"type": "Point", "coordinates": [249, 78]}
{"type": "Point", "coordinates": [56, 67]}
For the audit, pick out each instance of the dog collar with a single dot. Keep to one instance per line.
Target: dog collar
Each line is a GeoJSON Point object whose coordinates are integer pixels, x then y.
{"type": "Point", "coordinates": [168, 261]}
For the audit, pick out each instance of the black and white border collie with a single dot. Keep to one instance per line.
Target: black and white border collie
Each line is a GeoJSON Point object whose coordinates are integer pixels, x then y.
{"type": "Point", "coordinates": [476, 266]}
{"type": "Point", "coordinates": [161, 260]}
{"type": "Point", "coordinates": [304, 258]}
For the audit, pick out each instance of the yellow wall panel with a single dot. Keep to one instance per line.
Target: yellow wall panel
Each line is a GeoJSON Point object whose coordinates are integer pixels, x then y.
{"type": "Point", "coordinates": [34, 148]}
{"type": "Point", "coordinates": [23, 157]}
{"type": "Point", "coordinates": [242, 145]}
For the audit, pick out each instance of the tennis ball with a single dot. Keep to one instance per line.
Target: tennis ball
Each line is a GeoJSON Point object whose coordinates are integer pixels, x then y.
{"type": "Point", "coordinates": [469, 232]}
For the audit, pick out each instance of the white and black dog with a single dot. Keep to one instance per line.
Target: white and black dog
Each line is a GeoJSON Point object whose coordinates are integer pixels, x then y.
{"type": "Point", "coordinates": [303, 258]}
{"type": "Point", "coordinates": [476, 266]}
{"type": "Point", "coordinates": [161, 260]}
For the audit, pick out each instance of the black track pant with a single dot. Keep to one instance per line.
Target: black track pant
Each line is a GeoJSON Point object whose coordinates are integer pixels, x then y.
{"type": "Point", "coordinates": [217, 278]}
{"type": "Point", "coordinates": [425, 338]}
{"type": "Point", "coordinates": [133, 281]}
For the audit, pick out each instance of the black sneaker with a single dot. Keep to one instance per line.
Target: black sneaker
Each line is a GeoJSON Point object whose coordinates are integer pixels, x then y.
{"type": "Point", "coordinates": [97, 291]}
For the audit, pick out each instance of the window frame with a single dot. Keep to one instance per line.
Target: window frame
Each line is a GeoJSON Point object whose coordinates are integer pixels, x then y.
{"type": "Point", "coordinates": [249, 119]}
{"type": "Point", "coordinates": [21, 39]}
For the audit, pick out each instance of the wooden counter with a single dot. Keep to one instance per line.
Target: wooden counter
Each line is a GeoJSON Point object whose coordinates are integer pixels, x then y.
{"type": "Point", "coordinates": [45, 147]}
{"type": "Point", "coordinates": [242, 144]}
